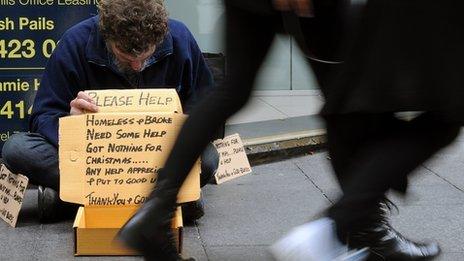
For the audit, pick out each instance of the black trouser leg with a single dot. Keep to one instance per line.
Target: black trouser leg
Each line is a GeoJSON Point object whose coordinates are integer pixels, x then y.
{"type": "Point", "coordinates": [33, 156]}
{"type": "Point", "coordinates": [349, 134]}
{"type": "Point", "coordinates": [248, 38]}
{"type": "Point", "coordinates": [383, 152]}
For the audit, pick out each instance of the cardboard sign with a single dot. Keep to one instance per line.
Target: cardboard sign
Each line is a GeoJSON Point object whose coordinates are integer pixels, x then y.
{"type": "Point", "coordinates": [159, 100]}
{"type": "Point", "coordinates": [233, 161]}
{"type": "Point", "coordinates": [12, 190]}
{"type": "Point", "coordinates": [112, 159]}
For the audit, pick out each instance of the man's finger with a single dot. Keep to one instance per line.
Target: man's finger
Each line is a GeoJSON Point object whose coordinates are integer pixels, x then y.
{"type": "Point", "coordinates": [81, 105]}
{"type": "Point", "coordinates": [85, 96]}
{"type": "Point", "coordinates": [75, 111]}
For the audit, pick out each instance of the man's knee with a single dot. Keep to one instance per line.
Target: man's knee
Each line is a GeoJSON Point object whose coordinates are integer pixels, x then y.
{"type": "Point", "coordinates": [13, 148]}
{"type": "Point", "coordinates": [23, 148]}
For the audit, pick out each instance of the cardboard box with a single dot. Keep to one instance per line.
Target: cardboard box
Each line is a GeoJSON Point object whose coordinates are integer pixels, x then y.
{"type": "Point", "coordinates": [94, 234]}
{"type": "Point", "coordinates": [109, 163]}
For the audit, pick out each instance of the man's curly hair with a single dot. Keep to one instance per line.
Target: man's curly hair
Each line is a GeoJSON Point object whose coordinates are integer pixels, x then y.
{"type": "Point", "coordinates": [134, 26]}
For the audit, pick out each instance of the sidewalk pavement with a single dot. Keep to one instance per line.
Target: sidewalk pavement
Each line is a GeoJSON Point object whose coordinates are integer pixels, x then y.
{"type": "Point", "coordinates": [244, 216]}
{"type": "Point", "coordinates": [278, 105]}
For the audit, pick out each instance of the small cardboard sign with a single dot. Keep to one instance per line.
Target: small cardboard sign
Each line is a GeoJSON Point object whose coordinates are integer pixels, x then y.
{"type": "Point", "coordinates": [12, 190]}
{"type": "Point", "coordinates": [233, 161]}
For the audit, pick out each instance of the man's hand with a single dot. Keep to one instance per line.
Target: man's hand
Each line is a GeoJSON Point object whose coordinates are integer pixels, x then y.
{"type": "Point", "coordinates": [300, 7]}
{"type": "Point", "coordinates": [82, 104]}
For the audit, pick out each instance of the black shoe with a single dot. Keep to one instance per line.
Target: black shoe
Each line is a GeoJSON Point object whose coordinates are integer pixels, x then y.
{"type": "Point", "coordinates": [193, 211]}
{"type": "Point", "coordinates": [209, 165]}
{"type": "Point", "coordinates": [48, 204]}
{"type": "Point", "coordinates": [149, 230]}
{"type": "Point", "coordinates": [51, 208]}
{"type": "Point", "coordinates": [385, 243]}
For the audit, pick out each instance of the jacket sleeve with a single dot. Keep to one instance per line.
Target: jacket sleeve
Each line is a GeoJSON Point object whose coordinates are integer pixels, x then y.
{"type": "Point", "coordinates": [201, 77]}
{"type": "Point", "coordinates": [59, 85]}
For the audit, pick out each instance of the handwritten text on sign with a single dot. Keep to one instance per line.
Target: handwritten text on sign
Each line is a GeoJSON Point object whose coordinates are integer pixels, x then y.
{"type": "Point", "coordinates": [12, 189]}
{"type": "Point", "coordinates": [115, 157]}
{"type": "Point", "coordinates": [233, 161]}
{"type": "Point", "coordinates": [120, 153]}
{"type": "Point", "coordinates": [159, 100]}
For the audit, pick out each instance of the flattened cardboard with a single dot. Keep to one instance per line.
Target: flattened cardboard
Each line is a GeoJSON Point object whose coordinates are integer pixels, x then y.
{"type": "Point", "coordinates": [140, 100]}
{"type": "Point", "coordinates": [233, 161]}
{"type": "Point", "coordinates": [83, 166]}
{"type": "Point", "coordinates": [12, 190]}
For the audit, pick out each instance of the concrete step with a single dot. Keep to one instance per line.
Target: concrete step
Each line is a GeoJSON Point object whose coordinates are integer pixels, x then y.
{"type": "Point", "coordinates": [273, 140]}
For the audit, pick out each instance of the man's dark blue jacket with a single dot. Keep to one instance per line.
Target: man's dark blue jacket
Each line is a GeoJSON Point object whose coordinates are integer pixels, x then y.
{"type": "Point", "coordinates": [81, 61]}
